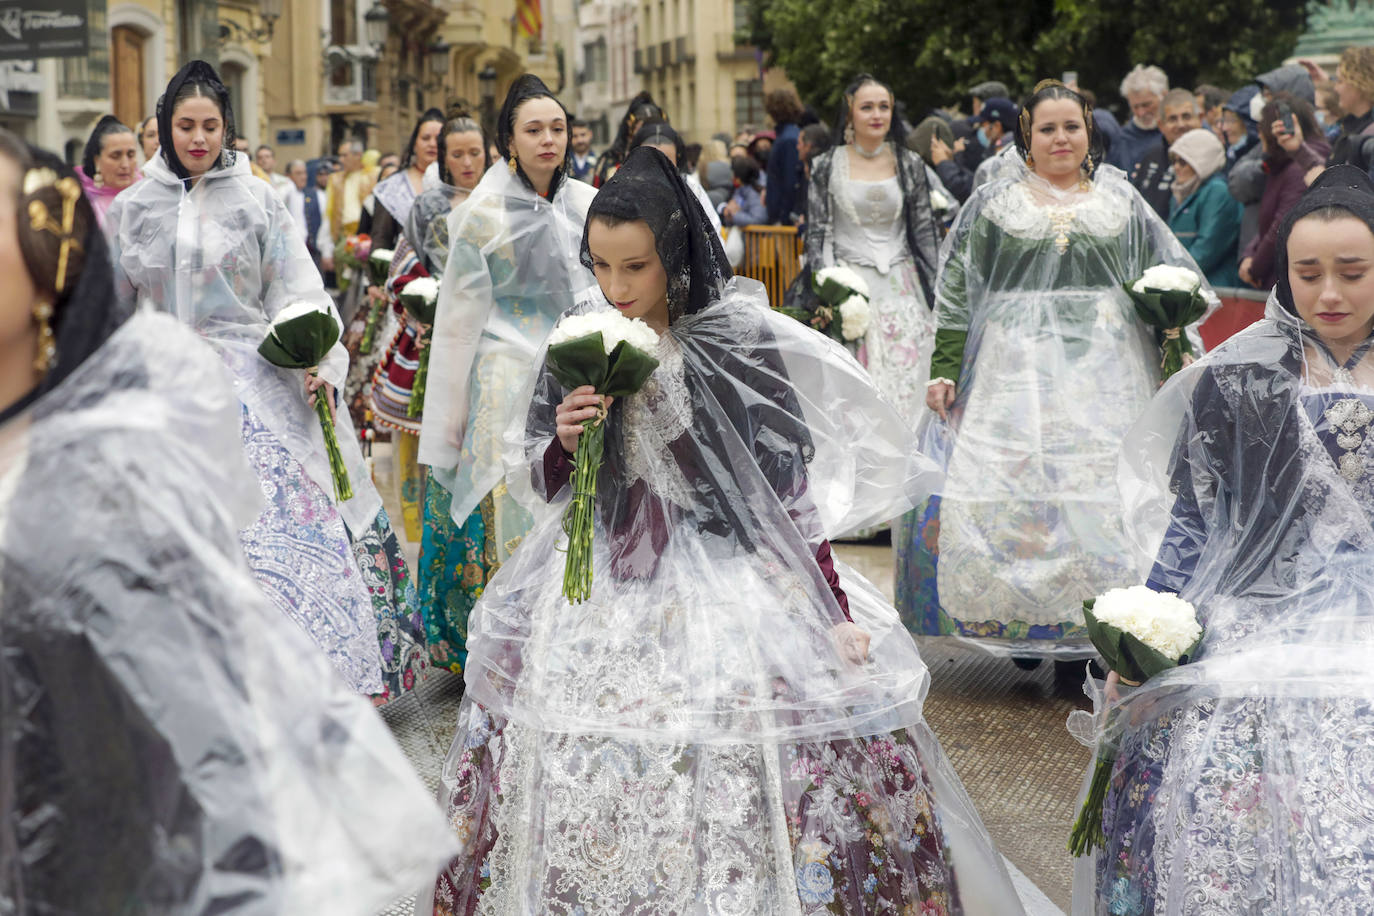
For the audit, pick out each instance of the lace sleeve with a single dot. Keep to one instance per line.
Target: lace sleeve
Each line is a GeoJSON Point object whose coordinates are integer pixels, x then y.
{"type": "Point", "coordinates": [819, 223]}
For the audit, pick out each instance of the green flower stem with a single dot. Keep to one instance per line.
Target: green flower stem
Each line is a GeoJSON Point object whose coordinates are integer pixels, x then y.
{"type": "Point", "coordinates": [374, 315]}
{"type": "Point", "coordinates": [578, 517]}
{"type": "Point", "coordinates": [417, 388]}
{"type": "Point", "coordinates": [1087, 830]}
{"type": "Point", "coordinates": [343, 490]}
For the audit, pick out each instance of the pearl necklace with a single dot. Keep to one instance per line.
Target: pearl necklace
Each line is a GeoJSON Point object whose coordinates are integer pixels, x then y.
{"type": "Point", "coordinates": [882, 148]}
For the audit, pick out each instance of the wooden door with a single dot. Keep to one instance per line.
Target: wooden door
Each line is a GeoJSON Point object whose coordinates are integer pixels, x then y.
{"type": "Point", "coordinates": [126, 46]}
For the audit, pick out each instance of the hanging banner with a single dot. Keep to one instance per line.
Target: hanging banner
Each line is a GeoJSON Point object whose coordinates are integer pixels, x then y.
{"type": "Point", "coordinates": [30, 29]}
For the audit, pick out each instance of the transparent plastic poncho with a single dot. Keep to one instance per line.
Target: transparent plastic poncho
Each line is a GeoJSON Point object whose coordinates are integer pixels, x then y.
{"type": "Point", "coordinates": [168, 744]}
{"type": "Point", "coordinates": [698, 705]}
{"type": "Point", "coordinates": [1056, 366]}
{"type": "Point", "coordinates": [512, 270]}
{"type": "Point", "coordinates": [1243, 780]}
{"type": "Point", "coordinates": [224, 258]}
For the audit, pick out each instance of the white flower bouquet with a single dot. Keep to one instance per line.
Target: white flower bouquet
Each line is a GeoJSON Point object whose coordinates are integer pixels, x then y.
{"type": "Point", "coordinates": [1140, 633]}
{"type": "Point", "coordinates": [420, 298]}
{"type": "Point", "coordinates": [300, 337]}
{"type": "Point", "coordinates": [844, 294]}
{"type": "Point", "coordinates": [615, 356]}
{"type": "Point", "coordinates": [1169, 299]}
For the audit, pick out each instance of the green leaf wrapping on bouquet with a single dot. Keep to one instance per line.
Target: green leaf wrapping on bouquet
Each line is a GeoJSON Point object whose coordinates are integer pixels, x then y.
{"type": "Point", "coordinates": [303, 342]}
{"type": "Point", "coordinates": [832, 292]}
{"type": "Point", "coordinates": [574, 363]}
{"type": "Point", "coordinates": [422, 309]}
{"type": "Point", "coordinates": [1125, 653]}
{"type": "Point", "coordinates": [378, 270]}
{"type": "Point", "coordinates": [1169, 312]}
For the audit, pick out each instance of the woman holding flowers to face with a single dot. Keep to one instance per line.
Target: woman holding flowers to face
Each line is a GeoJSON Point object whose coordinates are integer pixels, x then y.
{"type": "Point", "coordinates": [1041, 364]}
{"type": "Point", "coordinates": [869, 211]}
{"type": "Point", "coordinates": [203, 240]}
{"type": "Point", "coordinates": [512, 270]}
{"type": "Point", "coordinates": [1242, 780]}
{"type": "Point", "coordinates": [731, 720]}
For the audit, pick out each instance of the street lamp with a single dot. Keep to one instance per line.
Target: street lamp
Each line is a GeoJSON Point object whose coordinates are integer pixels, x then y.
{"type": "Point", "coordinates": [486, 81]}
{"type": "Point", "coordinates": [438, 58]}
{"type": "Point", "coordinates": [377, 20]}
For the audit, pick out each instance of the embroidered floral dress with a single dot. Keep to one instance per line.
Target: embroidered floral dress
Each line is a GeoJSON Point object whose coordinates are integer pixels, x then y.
{"type": "Point", "coordinates": [1052, 366]}
{"type": "Point", "coordinates": [1244, 781]}
{"type": "Point", "coordinates": [223, 258]}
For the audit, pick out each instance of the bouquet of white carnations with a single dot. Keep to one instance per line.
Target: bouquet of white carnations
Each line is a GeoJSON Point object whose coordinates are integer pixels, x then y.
{"type": "Point", "coordinates": [1139, 633]}
{"type": "Point", "coordinates": [844, 294]}
{"type": "Point", "coordinates": [1169, 299]}
{"type": "Point", "coordinates": [300, 337]}
{"type": "Point", "coordinates": [378, 264]}
{"type": "Point", "coordinates": [614, 355]}
{"type": "Point", "coordinates": [939, 203]}
{"type": "Point", "coordinates": [421, 299]}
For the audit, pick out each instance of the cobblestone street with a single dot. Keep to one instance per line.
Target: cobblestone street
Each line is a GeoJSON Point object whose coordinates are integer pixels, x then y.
{"type": "Point", "coordinates": [1002, 728]}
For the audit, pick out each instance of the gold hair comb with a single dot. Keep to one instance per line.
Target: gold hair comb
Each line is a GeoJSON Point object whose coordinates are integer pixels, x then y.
{"type": "Point", "coordinates": [40, 218]}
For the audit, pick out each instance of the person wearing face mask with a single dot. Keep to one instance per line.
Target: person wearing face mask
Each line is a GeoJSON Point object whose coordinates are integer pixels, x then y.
{"type": "Point", "coordinates": [1039, 367]}
{"type": "Point", "coordinates": [733, 711]}
{"type": "Point", "coordinates": [1152, 175]}
{"type": "Point", "coordinates": [869, 209]}
{"type": "Point", "coordinates": [1236, 786]}
{"type": "Point", "coordinates": [1143, 89]}
{"type": "Point", "coordinates": [512, 270]}
{"type": "Point", "coordinates": [1203, 214]}
{"type": "Point", "coordinates": [202, 239]}
{"type": "Point", "coordinates": [166, 739]}
{"type": "Point", "coordinates": [109, 164]}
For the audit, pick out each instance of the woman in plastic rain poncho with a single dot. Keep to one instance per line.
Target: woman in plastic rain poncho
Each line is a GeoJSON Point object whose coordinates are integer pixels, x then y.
{"type": "Point", "coordinates": [1244, 781]}
{"type": "Point", "coordinates": [423, 252]}
{"type": "Point", "coordinates": [204, 240]}
{"type": "Point", "coordinates": [732, 722]}
{"type": "Point", "coordinates": [512, 270]}
{"type": "Point", "coordinates": [166, 745]}
{"type": "Point", "coordinates": [1040, 366]}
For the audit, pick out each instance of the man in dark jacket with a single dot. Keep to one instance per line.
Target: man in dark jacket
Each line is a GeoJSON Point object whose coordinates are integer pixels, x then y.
{"type": "Point", "coordinates": [996, 123]}
{"type": "Point", "coordinates": [784, 164]}
{"type": "Point", "coordinates": [1152, 175]}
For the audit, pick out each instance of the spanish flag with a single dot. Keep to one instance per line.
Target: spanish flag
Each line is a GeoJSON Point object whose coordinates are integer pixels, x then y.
{"type": "Point", "coordinates": [528, 19]}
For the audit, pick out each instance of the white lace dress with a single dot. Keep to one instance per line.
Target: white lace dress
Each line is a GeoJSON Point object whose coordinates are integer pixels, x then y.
{"type": "Point", "coordinates": [870, 239]}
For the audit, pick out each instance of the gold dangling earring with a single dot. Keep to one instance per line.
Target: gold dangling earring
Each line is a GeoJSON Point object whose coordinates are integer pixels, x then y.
{"type": "Point", "coordinates": [849, 133]}
{"type": "Point", "coordinates": [513, 164]}
{"type": "Point", "coordinates": [47, 344]}
{"type": "Point", "coordinates": [1030, 160]}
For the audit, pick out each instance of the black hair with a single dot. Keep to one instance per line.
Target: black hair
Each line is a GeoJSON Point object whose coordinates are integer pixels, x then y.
{"type": "Point", "coordinates": [433, 115]}
{"type": "Point", "coordinates": [896, 131]}
{"type": "Point", "coordinates": [1050, 90]}
{"type": "Point", "coordinates": [528, 86]}
{"type": "Point", "coordinates": [746, 171]}
{"type": "Point", "coordinates": [197, 79]}
{"type": "Point", "coordinates": [658, 132]}
{"type": "Point", "coordinates": [641, 108]}
{"type": "Point", "coordinates": [95, 144]}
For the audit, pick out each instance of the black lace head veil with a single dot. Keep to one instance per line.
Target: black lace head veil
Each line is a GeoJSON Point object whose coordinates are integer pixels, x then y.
{"type": "Point", "coordinates": [649, 188]}
{"type": "Point", "coordinates": [657, 132]}
{"type": "Point", "coordinates": [1340, 188]}
{"type": "Point", "coordinates": [107, 125]}
{"type": "Point", "coordinates": [527, 87]}
{"type": "Point", "coordinates": [196, 79]}
{"type": "Point", "coordinates": [86, 312]}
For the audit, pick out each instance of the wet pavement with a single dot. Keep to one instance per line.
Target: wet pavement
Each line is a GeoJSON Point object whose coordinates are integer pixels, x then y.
{"type": "Point", "coordinates": [1002, 729]}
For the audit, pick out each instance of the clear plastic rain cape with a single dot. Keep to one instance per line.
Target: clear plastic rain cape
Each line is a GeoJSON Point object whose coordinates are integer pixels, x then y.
{"type": "Point", "coordinates": [166, 745]}
{"type": "Point", "coordinates": [693, 738]}
{"type": "Point", "coordinates": [512, 270]}
{"type": "Point", "coordinates": [1056, 366]}
{"type": "Point", "coordinates": [1243, 781]}
{"type": "Point", "coordinates": [223, 258]}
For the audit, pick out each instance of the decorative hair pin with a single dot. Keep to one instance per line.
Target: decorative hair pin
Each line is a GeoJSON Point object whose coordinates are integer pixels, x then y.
{"type": "Point", "coordinates": [41, 219]}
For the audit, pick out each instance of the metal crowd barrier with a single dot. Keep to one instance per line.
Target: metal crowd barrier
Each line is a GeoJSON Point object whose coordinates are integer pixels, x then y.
{"type": "Point", "coordinates": [772, 255]}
